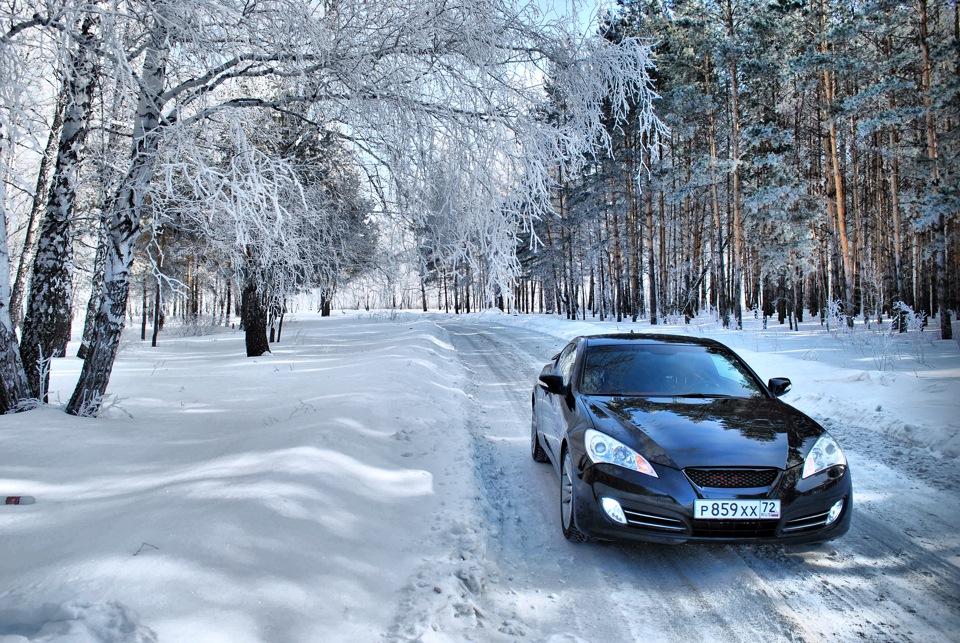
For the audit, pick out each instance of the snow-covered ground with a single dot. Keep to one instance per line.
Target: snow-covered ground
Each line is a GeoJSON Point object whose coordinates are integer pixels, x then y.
{"type": "Point", "coordinates": [370, 480]}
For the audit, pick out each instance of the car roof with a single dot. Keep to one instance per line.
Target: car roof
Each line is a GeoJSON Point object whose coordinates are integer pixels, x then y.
{"type": "Point", "coordinates": [647, 338]}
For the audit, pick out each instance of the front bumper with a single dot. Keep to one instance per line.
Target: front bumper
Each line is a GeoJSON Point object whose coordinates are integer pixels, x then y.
{"type": "Point", "coordinates": [660, 510]}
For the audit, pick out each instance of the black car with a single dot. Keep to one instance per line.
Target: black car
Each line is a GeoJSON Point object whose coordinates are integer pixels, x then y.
{"type": "Point", "coordinates": [672, 439]}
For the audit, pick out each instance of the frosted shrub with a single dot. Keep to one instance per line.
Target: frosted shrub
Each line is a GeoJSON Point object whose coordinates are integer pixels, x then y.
{"type": "Point", "coordinates": [914, 324]}
{"type": "Point", "coordinates": [883, 349]}
{"type": "Point", "coordinates": [89, 406]}
{"type": "Point", "coordinates": [31, 403]}
{"type": "Point", "coordinates": [193, 326]}
{"type": "Point", "coordinates": [43, 368]}
{"type": "Point", "coordinates": [837, 327]}
{"type": "Point", "coordinates": [834, 317]}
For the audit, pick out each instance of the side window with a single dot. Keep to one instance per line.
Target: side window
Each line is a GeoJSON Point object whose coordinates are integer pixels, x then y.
{"type": "Point", "coordinates": [566, 361]}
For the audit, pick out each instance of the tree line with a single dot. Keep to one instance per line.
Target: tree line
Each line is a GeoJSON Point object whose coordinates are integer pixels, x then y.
{"type": "Point", "coordinates": [810, 162]}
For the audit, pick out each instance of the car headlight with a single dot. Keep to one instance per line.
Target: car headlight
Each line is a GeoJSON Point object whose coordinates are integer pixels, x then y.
{"type": "Point", "coordinates": [603, 448]}
{"type": "Point", "coordinates": [825, 453]}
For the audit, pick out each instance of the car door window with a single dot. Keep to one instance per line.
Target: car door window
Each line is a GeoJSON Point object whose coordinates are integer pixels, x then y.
{"type": "Point", "coordinates": [566, 361]}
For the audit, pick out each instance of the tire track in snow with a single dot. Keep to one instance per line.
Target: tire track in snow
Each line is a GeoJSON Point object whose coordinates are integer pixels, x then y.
{"type": "Point", "coordinates": [535, 585]}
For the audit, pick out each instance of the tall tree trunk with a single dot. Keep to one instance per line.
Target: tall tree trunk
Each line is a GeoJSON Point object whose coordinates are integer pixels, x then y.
{"type": "Point", "coordinates": [893, 175]}
{"type": "Point", "coordinates": [651, 271]}
{"type": "Point", "coordinates": [602, 294]}
{"type": "Point", "coordinates": [423, 289]}
{"type": "Point", "coordinates": [736, 260]}
{"type": "Point", "coordinates": [46, 327]}
{"type": "Point", "coordinates": [158, 293]}
{"type": "Point", "coordinates": [634, 223]}
{"type": "Point", "coordinates": [894, 179]}
{"type": "Point", "coordinates": [617, 248]}
{"type": "Point", "coordinates": [123, 231]}
{"type": "Point", "coordinates": [14, 387]}
{"type": "Point", "coordinates": [40, 196]}
{"type": "Point", "coordinates": [229, 302]}
{"type": "Point", "coordinates": [283, 311]}
{"type": "Point", "coordinates": [835, 174]}
{"type": "Point", "coordinates": [157, 313]}
{"type": "Point", "coordinates": [720, 278]}
{"type": "Point", "coordinates": [143, 312]}
{"type": "Point", "coordinates": [940, 225]}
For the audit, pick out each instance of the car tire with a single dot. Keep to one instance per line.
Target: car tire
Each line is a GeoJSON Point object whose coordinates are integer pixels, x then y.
{"type": "Point", "coordinates": [536, 450]}
{"type": "Point", "coordinates": [568, 502]}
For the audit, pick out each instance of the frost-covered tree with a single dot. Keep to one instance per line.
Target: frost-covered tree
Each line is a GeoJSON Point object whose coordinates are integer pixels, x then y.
{"type": "Point", "coordinates": [21, 57]}
{"type": "Point", "coordinates": [278, 204]}
{"type": "Point", "coordinates": [389, 78]}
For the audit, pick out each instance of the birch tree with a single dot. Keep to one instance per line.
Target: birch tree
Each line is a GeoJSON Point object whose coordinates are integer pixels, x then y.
{"type": "Point", "coordinates": [18, 127]}
{"type": "Point", "coordinates": [46, 327]}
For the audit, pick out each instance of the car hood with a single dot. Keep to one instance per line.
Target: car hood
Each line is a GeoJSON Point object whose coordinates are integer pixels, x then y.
{"type": "Point", "coordinates": [713, 432]}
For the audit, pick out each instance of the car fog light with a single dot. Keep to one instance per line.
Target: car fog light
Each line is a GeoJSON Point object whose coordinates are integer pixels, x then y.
{"type": "Point", "coordinates": [834, 512]}
{"type": "Point", "coordinates": [614, 510]}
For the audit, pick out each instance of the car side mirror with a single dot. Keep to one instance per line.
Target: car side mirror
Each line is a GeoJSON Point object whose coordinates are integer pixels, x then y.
{"type": "Point", "coordinates": [553, 383]}
{"type": "Point", "coordinates": [779, 385]}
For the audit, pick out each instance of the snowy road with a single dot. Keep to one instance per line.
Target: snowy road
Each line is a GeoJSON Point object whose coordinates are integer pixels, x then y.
{"type": "Point", "coordinates": [894, 576]}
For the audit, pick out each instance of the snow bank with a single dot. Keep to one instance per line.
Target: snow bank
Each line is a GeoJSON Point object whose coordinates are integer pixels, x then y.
{"type": "Point", "coordinates": [230, 499]}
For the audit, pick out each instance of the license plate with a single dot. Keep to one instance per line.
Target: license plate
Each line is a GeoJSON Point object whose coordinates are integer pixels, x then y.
{"type": "Point", "coordinates": [736, 509]}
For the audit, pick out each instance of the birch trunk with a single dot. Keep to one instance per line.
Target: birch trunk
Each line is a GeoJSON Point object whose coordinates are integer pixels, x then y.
{"type": "Point", "coordinates": [36, 211]}
{"type": "Point", "coordinates": [14, 388]}
{"type": "Point", "coordinates": [123, 231]}
{"type": "Point", "coordinates": [46, 327]}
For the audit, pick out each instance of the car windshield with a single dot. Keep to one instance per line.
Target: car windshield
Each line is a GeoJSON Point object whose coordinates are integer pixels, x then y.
{"type": "Point", "coordinates": [665, 370]}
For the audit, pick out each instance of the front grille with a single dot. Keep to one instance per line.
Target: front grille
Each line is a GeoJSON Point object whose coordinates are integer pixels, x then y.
{"type": "Point", "coordinates": [806, 523]}
{"type": "Point", "coordinates": [652, 522]}
{"type": "Point", "coordinates": [732, 478]}
{"type": "Point", "coordinates": [735, 528]}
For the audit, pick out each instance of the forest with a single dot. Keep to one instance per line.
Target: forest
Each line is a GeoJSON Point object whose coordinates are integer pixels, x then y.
{"type": "Point", "coordinates": [211, 160]}
{"type": "Point", "coordinates": [809, 162]}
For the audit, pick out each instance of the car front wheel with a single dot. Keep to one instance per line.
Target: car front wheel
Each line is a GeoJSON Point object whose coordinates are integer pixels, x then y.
{"type": "Point", "coordinates": [568, 502]}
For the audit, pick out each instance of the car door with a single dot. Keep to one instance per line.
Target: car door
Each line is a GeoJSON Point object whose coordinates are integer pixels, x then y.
{"type": "Point", "coordinates": [556, 411]}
